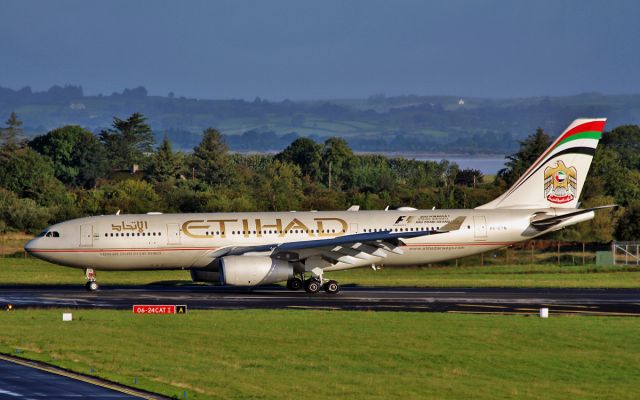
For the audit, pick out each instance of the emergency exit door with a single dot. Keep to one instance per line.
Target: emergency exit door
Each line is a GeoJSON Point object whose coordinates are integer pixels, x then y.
{"type": "Point", "coordinates": [86, 235]}
{"type": "Point", "coordinates": [480, 228]}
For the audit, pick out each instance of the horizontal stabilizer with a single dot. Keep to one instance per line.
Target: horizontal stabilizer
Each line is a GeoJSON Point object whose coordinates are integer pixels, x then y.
{"type": "Point", "coordinates": [544, 221]}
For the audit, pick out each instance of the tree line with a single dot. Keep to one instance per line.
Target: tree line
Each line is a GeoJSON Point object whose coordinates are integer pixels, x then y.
{"type": "Point", "coordinates": [70, 172]}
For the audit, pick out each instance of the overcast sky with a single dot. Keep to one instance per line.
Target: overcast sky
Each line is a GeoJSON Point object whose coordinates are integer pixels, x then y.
{"type": "Point", "coordinates": [323, 49]}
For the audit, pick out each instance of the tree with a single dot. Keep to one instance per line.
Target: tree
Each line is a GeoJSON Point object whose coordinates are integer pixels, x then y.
{"type": "Point", "coordinates": [628, 227]}
{"type": "Point", "coordinates": [164, 164]}
{"type": "Point", "coordinates": [130, 196]}
{"type": "Point", "coordinates": [370, 174]}
{"type": "Point", "coordinates": [608, 175]}
{"type": "Point", "coordinates": [211, 160]}
{"type": "Point", "coordinates": [9, 135]}
{"type": "Point", "coordinates": [127, 141]}
{"type": "Point", "coordinates": [31, 175]}
{"type": "Point", "coordinates": [77, 154]}
{"type": "Point", "coordinates": [280, 186]}
{"type": "Point", "coordinates": [336, 155]}
{"type": "Point", "coordinates": [469, 177]}
{"type": "Point", "coordinates": [305, 153]}
{"type": "Point", "coordinates": [625, 140]}
{"type": "Point", "coordinates": [530, 149]}
{"type": "Point", "coordinates": [21, 214]}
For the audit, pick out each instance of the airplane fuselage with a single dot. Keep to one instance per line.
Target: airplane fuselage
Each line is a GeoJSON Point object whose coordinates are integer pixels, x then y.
{"type": "Point", "coordinates": [185, 241]}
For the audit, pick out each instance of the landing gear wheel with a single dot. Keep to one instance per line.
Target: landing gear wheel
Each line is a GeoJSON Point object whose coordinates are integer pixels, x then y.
{"type": "Point", "coordinates": [91, 286]}
{"type": "Point", "coordinates": [312, 285]}
{"type": "Point", "coordinates": [331, 287]}
{"type": "Point", "coordinates": [294, 284]}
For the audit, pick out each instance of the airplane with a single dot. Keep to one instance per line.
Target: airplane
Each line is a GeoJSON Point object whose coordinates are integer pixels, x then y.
{"type": "Point", "coordinates": [260, 248]}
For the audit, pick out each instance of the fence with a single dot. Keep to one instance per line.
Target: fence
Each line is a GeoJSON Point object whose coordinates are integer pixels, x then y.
{"type": "Point", "coordinates": [626, 253]}
{"type": "Point", "coordinates": [540, 252]}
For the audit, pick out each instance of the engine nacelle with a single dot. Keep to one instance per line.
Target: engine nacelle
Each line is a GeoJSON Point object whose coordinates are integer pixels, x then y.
{"type": "Point", "coordinates": [203, 275]}
{"type": "Point", "coordinates": [253, 270]}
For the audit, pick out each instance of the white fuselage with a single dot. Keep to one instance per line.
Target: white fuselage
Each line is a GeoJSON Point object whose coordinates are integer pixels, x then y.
{"type": "Point", "coordinates": [186, 241]}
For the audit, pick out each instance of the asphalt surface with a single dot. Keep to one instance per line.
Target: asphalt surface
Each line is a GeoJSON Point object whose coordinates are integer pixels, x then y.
{"type": "Point", "coordinates": [476, 300]}
{"type": "Point", "coordinates": [21, 379]}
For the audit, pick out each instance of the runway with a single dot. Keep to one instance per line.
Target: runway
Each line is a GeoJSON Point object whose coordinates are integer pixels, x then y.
{"type": "Point", "coordinates": [32, 380]}
{"type": "Point", "coordinates": [622, 302]}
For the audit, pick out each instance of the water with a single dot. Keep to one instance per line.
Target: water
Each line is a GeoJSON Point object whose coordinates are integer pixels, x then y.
{"type": "Point", "coordinates": [488, 165]}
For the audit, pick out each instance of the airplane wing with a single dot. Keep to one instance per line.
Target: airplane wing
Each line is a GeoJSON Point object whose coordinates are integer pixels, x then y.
{"type": "Point", "coordinates": [344, 248]}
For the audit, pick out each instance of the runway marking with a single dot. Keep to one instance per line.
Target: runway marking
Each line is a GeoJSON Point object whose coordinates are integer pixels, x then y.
{"type": "Point", "coordinates": [603, 313]}
{"type": "Point", "coordinates": [573, 305]}
{"type": "Point", "coordinates": [397, 292]}
{"type": "Point", "coordinates": [2, 391]}
{"type": "Point", "coordinates": [485, 312]}
{"type": "Point", "coordinates": [480, 305]}
{"type": "Point", "coordinates": [72, 375]}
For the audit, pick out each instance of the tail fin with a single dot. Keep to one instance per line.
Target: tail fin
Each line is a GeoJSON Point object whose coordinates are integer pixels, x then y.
{"type": "Point", "coordinates": [557, 176]}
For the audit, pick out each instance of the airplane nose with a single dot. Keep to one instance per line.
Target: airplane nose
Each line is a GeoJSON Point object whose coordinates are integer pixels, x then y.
{"type": "Point", "coordinates": [30, 246]}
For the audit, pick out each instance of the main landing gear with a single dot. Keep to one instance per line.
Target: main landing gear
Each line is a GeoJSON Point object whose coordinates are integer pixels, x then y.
{"type": "Point", "coordinates": [313, 285]}
{"type": "Point", "coordinates": [90, 276]}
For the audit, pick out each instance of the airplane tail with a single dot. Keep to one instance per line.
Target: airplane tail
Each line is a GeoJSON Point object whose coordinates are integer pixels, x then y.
{"type": "Point", "coordinates": [558, 175]}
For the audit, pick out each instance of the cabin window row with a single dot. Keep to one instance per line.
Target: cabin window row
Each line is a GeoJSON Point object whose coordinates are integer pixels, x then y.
{"type": "Point", "coordinates": [117, 234]}
{"type": "Point", "coordinates": [401, 229]}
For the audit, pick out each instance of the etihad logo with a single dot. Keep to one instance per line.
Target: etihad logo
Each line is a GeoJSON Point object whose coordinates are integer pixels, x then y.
{"type": "Point", "coordinates": [321, 227]}
{"type": "Point", "coordinates": [560, 183]}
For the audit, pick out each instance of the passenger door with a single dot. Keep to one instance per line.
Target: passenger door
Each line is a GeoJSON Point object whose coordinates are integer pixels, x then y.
{"type": "Point", "coordinates": [480, 228]}
{"type": "Point", "coordinates": [86, 235]}
{"type": "Point", "coordinates": [173, 234]}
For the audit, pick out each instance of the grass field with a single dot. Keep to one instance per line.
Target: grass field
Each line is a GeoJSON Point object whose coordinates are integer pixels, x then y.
{"type": "Point", "coordinates": [30, 270]}
{"type": "Point", "coordinates": [356, 355]}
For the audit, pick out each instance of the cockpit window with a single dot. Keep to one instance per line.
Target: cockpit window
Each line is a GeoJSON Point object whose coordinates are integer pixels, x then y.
{"type": "Point", "coordinates": [41, 234]}
{"type": "Point", "coordinates": [52, 234]}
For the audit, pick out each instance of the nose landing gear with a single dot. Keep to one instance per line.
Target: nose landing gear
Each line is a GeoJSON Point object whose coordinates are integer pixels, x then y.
{"type": "Point", "coordinates": [90, 276]}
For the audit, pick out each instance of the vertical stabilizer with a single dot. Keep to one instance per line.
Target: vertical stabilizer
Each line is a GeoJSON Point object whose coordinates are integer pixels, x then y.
{"type": "Point", "coordinates": [558, 175]}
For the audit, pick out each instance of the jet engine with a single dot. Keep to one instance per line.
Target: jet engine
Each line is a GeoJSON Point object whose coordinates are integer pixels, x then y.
{"type": "Point", "coordinates": [253, 270]}
{"type": "Point", "coordinates": [205, 275]}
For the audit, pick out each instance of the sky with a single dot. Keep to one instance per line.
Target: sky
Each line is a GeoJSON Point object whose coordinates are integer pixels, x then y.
{"type": "Point", "coordinates": [323, 49]}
